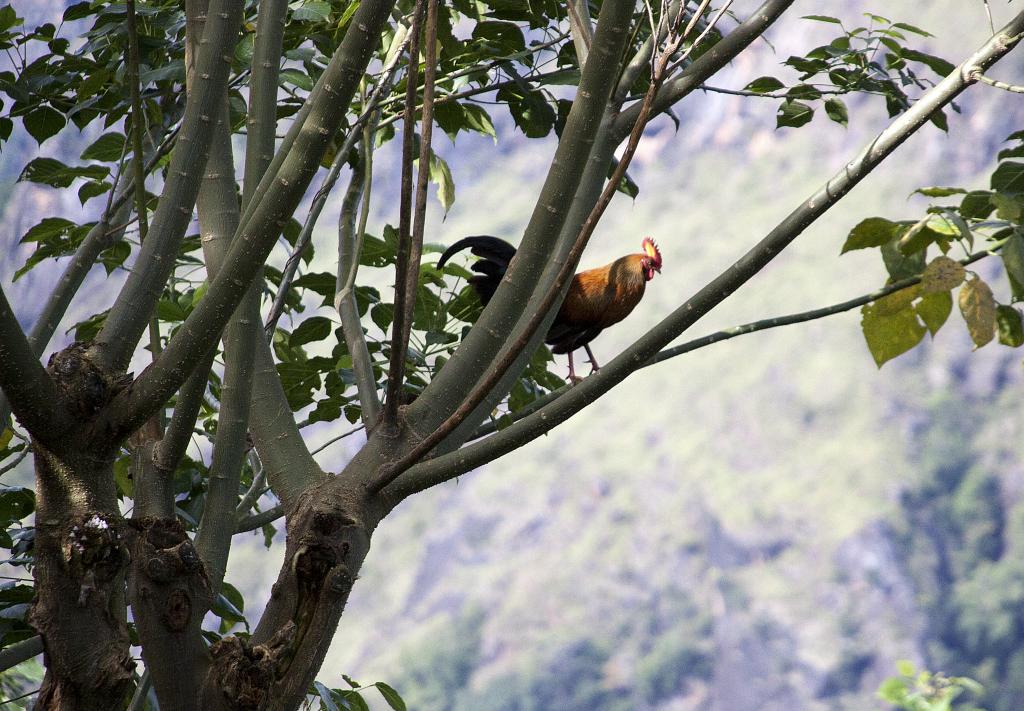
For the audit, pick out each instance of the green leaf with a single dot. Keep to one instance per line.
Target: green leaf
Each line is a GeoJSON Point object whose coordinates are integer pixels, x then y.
{"type": "Point", "coordinates": [918, 237]}
{"type": "Point", "coordinates": [937, 64]}
{"type": "Point", "coordinates": [321, 283]}
{"type": "Point", "coordinates": [531, 111]}
{"type": "Point", "coordinates": [233, 596]}
{"type": "Point", "coordinates": [47, 229]}
{"type": "Point", "coordinates": [92, 189]}
{"type": "Point", "coordinates": [8, 18]}
{"type": "Point", "coordinates": [300, 380]}
{"type": "Point", "coordinates": [382, 315]}
{"type": "Point", "coordinates": [325, 696]}
{"type": "Point", "coordinates": [295, 77]}
{"type": "Point", "coordinates": [1008, 207]}
{"type": "Point", "coordinates": [912, 28]}
{"type": "Point", "coordinates": [906, 667]}
{"type": "Point", "coordinates": [346, 16]}
{"type": "Point", "coordinates": [890, 334]}
{"type": "Point", "coordinates": [836, 110]}
{"type": "Point", "coordinates": [822, 18]}
{"type": "Point", "coordinates": [1013, 261]}
{"type": "Point", "coordinates": [479, 120]}
{"type": "Point", "coordinates": [354, 701]}
{"type": "Point", "coordinates": [934, 309]}
{"type": "Point", "coordinates": [937, 191]}
{"type": "Point", "coordinates": [793, 114]}
{"type": "Point", "coordinates": [764, 85]}
{"type": "Point", "coordinates": [114, 256]}
{"type": "Point", "coordinates": [976, 205]}
{"type": "Point", "coordinates": [499, 38]}
{"type": "Point", "coordinates": [978, 307]}
{"type": "Point", "coordinates": [900, 265]}
{"type": "Point", "coordinates": [16, 503]}
{"type": "Point", "coordinates": [1009, 178]}
{"type": "Point", "coordinates": [44, 122]}
{"type": "Point", "coordinates": [312, 11]}
{"type": "Point", "coordinates": [107, 147]}
{"type": "Point", "coordinates": [391, 696]}
{"type": "Point", "coordinates": [172, 71]}
{"type": "Point", "coordinates": [315, 328]}
{"type": "Point", "coordinates": [1009, 326]}
{"type": "Point", "coordinates": [441, 174]}
{"type": "Point", "coordinates": [872, 232]}
{"type": "Point", "coordinates": [50, 171]}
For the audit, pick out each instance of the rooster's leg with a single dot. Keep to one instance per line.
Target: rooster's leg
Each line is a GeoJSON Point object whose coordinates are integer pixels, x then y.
{"type": "Point", "coordinates": [594, 367]}
{"type": "Point", "coordinates": [573, 378]}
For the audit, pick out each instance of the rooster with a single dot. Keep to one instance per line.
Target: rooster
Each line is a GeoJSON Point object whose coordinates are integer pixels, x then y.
{"type": "Point", "coordinates": [597, 298]}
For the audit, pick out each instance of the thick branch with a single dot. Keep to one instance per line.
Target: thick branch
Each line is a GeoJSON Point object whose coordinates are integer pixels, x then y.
{"type": "Point", "coordinates": [138, 298]}
{"type": "Point", "coordinates": [32, 395]}
{"type": "Point", "coordinates": [261, 120]}
{"type": "Point", "coordinates": [260, 227]}
{"type": "Point", "coordinates": [20, 652]}
{"type": "Point", "coordinates": [451, 465]}
{"type": "Point", "coordinates": [350, 246]}
{"type": "Point", "coordinates": [218, 220]}
{"type": "Point", "coordinates": [582, 28]}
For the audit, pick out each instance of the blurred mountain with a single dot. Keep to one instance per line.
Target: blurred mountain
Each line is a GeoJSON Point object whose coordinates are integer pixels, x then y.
{"type": "Point", "coordinates": [768, 523]}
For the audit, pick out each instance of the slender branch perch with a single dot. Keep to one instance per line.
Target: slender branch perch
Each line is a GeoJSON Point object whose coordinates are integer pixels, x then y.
{"type": "Point", "coordinates": [718, 289]}
{"type": "Point", "coordinates": [1014, 88]}
{"type": "Point", "coordinates": [741, 330]}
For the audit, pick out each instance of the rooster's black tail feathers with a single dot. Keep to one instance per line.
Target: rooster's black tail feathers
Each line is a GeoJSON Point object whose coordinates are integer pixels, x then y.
{"type": "Point", "coordinates": [495, 255]}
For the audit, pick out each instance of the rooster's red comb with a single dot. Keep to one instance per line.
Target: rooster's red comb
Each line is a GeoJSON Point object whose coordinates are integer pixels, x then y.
{"type": "Point", "coordinates": [651, 250]}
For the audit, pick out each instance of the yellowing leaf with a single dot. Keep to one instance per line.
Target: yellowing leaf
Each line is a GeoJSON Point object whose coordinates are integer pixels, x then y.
{"type": "Point", "coordinates": [5, 437]}
{"type": "Point", "coordinates": [896, 301]}
{"type": "Point", "coordinates": [978, 307]}
{"type": "Point", "coordinates": [890, 334]}
{"type": "Point", "coordinates": [934, 309]}
{"type": "Point", "coordinates": [942, 274]}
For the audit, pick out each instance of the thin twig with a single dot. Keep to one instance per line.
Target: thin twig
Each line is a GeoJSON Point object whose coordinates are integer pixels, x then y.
{"type": "Point", "coordinates": [320, 199]}
{"type": "Point", "coordinates": [340, 437]}
{"type": "Point", "coordinates": [259, 483]}
{"type": "Point", "coordinates": [1015, 88]}
{"type": "Point", "coordinates": [396, 366]}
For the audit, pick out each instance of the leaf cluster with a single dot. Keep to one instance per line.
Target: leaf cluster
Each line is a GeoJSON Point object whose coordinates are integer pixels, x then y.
{"type": "Point", "coordinates": [871, 59]}
{"type": "Point", "coordinates": [898, 322]}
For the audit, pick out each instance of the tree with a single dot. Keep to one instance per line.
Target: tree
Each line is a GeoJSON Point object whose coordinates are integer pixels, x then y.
{"type": "Point", "coordinates": [103, 439]}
